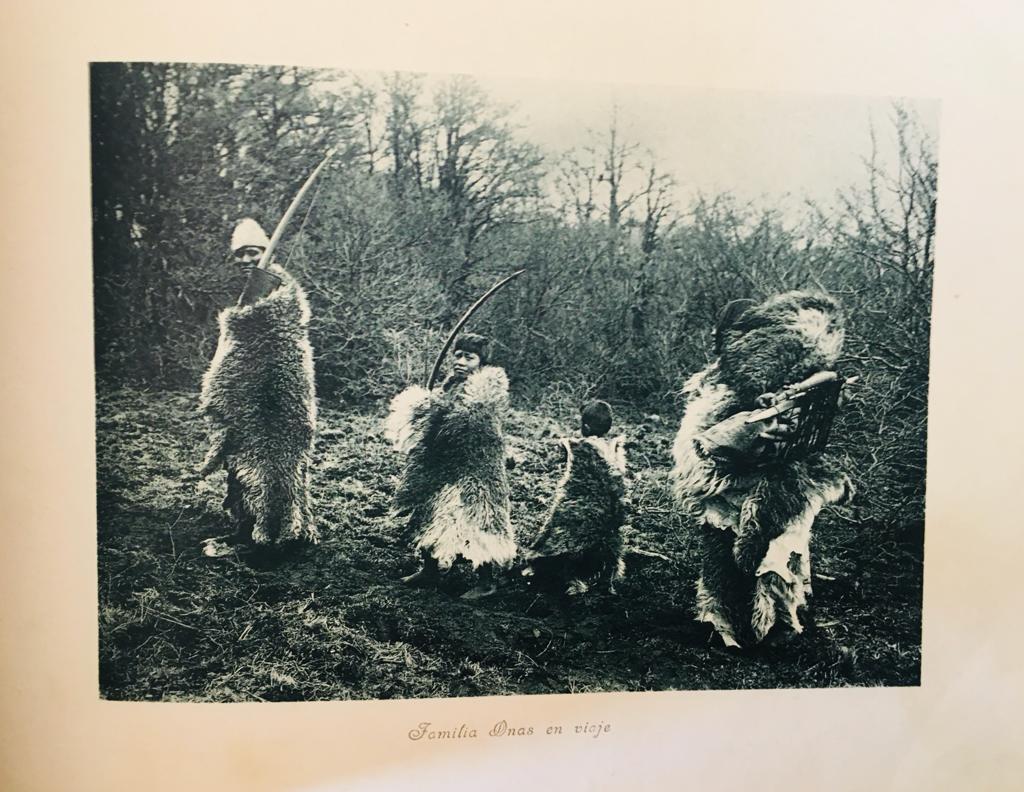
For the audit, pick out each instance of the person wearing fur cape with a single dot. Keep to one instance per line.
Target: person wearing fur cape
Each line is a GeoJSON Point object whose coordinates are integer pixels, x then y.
{"type": "Point", "coordinates": [753, 504]}
{"type": "Point", "coordinates": [581, 539]}
{"type": "Point", "coordinates": [259, 402]}
{"type": "Point", "coordinates": [453, 492]}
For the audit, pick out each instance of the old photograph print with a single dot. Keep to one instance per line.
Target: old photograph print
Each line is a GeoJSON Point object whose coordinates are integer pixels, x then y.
{"type": "Point", "coordinates": [421, 385]}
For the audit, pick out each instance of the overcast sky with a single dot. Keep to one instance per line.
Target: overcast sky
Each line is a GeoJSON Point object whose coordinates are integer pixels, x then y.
{"type": "Point", "coordinates": [777, 149]}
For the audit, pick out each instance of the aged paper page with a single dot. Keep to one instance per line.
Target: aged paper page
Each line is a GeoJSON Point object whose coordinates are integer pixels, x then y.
{"type": "Point", "coordinates": [959, 729]}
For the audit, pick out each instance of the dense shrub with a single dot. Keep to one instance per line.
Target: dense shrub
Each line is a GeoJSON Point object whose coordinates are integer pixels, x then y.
{"type": "Point", "coordinates": [426, 204]}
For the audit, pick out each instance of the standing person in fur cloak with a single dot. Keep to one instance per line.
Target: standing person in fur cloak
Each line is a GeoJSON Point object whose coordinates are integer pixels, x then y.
{"type": "Point", "coordinates": [454, 490]}
{"type": "Point", "coordinates": [581, 540]}
{"type": "Point", "coordinates": [753, 494]}
{"type": "Point", "coordinates": [259, 402]}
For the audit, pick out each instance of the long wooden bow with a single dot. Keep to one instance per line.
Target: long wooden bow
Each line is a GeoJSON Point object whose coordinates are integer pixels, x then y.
{"type": "Point", "coordinates": [283, 224]}
{"type": "Point", "coordinates": [461, 323]}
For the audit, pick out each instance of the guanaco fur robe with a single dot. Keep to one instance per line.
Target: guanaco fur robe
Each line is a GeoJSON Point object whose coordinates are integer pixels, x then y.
{"type": "Point", "coordinates": [581, 539]}
{"type": "Point", "coordinates": [259, 401]}
{"type": "Point", "coordinates": [755, 519]}
{"type": "Point", "coordinates": [453, 489]}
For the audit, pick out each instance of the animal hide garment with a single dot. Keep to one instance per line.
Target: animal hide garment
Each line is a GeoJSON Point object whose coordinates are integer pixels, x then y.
{"type": "Point", "coordinates": [453, 489]}
{"type": "Point", "coordinates": [259, 401]}
{"type": "Point", "coordinates": [754, 520]}
{"type": "Point", "coordinates": [582, 535]}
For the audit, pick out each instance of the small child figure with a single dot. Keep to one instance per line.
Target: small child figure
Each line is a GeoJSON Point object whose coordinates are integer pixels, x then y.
{"type": "Point", "coordinates": [581, 541]}
{"type": "Point", "coordinates": [453, 495]}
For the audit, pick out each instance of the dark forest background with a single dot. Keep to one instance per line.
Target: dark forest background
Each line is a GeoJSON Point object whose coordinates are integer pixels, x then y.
{"type": "Point", "coordinates": [434, 194]}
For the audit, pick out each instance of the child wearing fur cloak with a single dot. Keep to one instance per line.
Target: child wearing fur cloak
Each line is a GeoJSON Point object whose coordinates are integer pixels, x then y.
{"type": "Point", "coordinates": [259, 402]}
{"type": "Point", "coordinates": [581, 540]}
{"type": "Point", "coordinates": [755, 506]}
{"type": "Point", "coordinates": [454, 492]}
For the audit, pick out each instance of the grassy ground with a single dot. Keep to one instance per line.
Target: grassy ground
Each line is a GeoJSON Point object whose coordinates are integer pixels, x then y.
{"type": "Point", "coordinates": [333, 622]}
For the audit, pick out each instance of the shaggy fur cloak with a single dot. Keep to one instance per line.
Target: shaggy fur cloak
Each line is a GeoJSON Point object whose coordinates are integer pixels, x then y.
{"type": "Point", "coordinates": [454, 488]}
{"type": "Point", "coordinates": [259, 402]}
{"type": "Point", "coordinates": [756, 518]}
{"type": "Point", "coordinates": [581, 539]}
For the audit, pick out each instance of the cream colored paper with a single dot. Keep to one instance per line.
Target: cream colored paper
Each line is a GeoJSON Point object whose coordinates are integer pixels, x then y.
{"type": "Point", "coordinates": [959, 730]}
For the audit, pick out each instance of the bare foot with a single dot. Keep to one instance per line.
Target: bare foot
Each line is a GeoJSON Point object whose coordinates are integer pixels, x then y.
{"type": "Point", "coordinates": [217, 548]}
{"type": "Point", "coordinates": [576, 587]}
{"type": "Point", "coordinates": [480, 592]}
{"type": "Point", "coordinates": [425, 577]}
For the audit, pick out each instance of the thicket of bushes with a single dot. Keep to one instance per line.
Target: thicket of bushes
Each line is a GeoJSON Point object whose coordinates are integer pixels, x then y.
{"type": "Point", "coordinates": [434, 195]}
